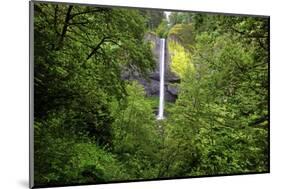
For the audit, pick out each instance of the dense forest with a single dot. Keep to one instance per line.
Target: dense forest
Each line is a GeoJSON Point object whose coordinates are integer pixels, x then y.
{"type": "Point", "coordinates": [93, 126]}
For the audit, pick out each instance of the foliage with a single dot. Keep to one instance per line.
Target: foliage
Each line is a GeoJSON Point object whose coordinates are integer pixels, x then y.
{"type": "Point", "coordinates": [162, 29]}
{"type": "Point", "coordinates": [153, 18]}
{"type": "Point", "coordinates": [181, 18]}
{"type": "Point", "coordinates": [93, 126]}
{"type": "Point", "coordinates": [62, 157]}
{"type": "Point", "coordinates": [139, 155]}
{"type": "Point", "coordinates": [180, 59]}
{"type": "Point", "coordinates": [184, 34]}
{"type": "Point", "coordinates": [80, 53]}
{"type": "Point", "coordinates": [222, 107]}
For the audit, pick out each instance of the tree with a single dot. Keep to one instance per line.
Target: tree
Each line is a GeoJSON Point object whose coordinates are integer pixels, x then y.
{"type": "Point", "coordinates": [80, 53]}
{"type": "Point", "coordinates": [222, 109]}
{"type": "Point", "coordinates": [131, 126]}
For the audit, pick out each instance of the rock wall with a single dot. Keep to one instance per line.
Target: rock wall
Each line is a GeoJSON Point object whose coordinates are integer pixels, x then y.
{"type": "Point", "coordinates": [151, 84]}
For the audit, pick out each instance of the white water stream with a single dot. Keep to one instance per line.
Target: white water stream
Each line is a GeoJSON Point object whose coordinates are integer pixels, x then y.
{"type": "Point", "coordinates": [162, 82]}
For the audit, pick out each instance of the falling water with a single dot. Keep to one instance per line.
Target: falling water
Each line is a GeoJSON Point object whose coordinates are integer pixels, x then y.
{"type": "Point", "coordinates": [162, 71]}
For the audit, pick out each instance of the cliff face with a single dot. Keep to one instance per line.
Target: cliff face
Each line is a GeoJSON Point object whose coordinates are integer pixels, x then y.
{"type": "Point", "coordinates": [151, 84]}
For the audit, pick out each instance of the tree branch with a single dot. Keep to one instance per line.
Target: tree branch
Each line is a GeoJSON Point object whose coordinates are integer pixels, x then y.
{"type": "Point", "coordinates": [97, 47]}
{"type": "Point", "coordinates": [66, 24]}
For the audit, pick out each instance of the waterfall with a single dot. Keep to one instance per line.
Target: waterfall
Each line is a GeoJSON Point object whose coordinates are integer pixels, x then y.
{"type": "Point", "coordinates": [161, 75]}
